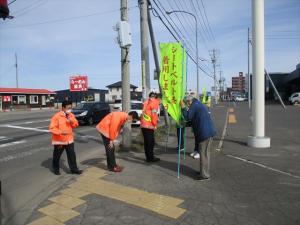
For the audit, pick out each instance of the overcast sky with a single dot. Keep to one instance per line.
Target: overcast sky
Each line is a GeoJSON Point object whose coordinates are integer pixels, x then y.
{"type": "Point", "coordinates": [57, 39]}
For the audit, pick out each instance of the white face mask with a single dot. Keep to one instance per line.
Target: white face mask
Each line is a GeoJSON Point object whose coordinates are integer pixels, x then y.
{"type": "Point", "coordinates": [68, 111]}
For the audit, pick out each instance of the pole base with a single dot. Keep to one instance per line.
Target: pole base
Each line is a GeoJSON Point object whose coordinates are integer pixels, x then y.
{"type": "Point", "coordinates": [259, 142]}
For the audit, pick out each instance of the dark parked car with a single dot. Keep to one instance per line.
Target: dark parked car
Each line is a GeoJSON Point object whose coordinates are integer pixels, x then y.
{"type": "Point", "coordinates": [91, 112]}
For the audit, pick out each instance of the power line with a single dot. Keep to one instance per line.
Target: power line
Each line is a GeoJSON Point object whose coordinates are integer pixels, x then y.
{"type": "Point", "coordinates": [207, 21]}
{"type": "Point", "coordinates": [174, 36]}
{"type": "Point", "coordinates": [11, 2]}
{"type": "Point", "coordinates": [66, 19]}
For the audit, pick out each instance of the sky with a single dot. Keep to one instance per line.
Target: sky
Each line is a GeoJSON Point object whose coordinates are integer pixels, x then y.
{"type": "Point", "coordinates": [58, 39]}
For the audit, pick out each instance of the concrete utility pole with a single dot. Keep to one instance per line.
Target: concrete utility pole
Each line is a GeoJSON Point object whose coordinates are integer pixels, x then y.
{"type": "Point", "coordinates": [126, 140]}
{"type": "Point", "coordinates": [17, 76]}
{"type": "Point", "coordinates": [258, 139]}
{"type": "Point", "coordinates": [213, 60]}
{"type": "Point", "coordinates": [143, 5]}
{"type": "Point", "coordinates": [249, 77]}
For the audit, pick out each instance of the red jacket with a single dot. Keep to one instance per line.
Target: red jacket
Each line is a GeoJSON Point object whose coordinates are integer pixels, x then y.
{"type": "Point", "coordinates": [59, 124]}
{"type": "Point", "coordinates": [111, 124]}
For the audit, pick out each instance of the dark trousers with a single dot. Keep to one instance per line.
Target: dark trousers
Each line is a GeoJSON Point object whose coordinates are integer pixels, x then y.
{"type": "Point", "coordinates": [182, 137]}
{"type": "Point", "coordinates": [110, 153]}
{"type": "Point", "coordinates": [58, 150]}
{"type": "Point", "coordinates": [149, 142]}
{"type": "Point", "coordinates": [197, 144]}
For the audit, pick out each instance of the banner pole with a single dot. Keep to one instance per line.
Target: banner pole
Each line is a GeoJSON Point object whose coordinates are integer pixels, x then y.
{"type": "Point", "coordinates": [178, 164]}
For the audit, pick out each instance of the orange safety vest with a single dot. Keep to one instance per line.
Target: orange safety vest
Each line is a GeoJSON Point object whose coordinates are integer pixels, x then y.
{"type": "Point", "coordinates": [111, 124]}
{"type": "Point", "coordinates": [149, 116]}
{"type": "Point", "coordinates": [59, 124]}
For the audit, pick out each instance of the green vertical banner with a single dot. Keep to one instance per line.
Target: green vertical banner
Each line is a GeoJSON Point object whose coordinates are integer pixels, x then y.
{"type": "Point", "coordinates": [172, 77]}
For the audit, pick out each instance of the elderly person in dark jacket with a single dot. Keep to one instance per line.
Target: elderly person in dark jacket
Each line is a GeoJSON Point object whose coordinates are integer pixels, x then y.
{"type": "Point", "coordinates": [203, 129]}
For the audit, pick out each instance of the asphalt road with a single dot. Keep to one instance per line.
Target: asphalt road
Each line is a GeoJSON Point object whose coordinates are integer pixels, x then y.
{"type": "Point", "coordinates": [25, 161]}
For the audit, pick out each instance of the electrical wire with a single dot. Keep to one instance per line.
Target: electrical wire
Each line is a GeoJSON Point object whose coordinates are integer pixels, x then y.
{"type": "Point", "coordinates": [11, 2]}
{"type": "Point", "coordinates": [65, 19]}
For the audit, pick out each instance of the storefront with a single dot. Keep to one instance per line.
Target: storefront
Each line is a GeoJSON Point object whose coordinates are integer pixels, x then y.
{"type": "Point", "coordinates": [24, 98]}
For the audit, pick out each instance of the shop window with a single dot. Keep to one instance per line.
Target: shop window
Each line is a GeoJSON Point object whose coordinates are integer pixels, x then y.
{"type": "Point", "coordinates": [34, 99]}
{"type": "Point", "coordinates": [21, 99]}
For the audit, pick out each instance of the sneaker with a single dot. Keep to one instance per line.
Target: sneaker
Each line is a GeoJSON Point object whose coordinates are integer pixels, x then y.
{"type": "Point", "coordinates": [193, 153]}
{"type": "Point", "coordinates": [116, 169]}
{"type": "Point", "coordinates": [197, 156]}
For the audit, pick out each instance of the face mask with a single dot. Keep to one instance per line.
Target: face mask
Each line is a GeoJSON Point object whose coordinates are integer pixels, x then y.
{"type": "Point", "coordinates": [68, 111]}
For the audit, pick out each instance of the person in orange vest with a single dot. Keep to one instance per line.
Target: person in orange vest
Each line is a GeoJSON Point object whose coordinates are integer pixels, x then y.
{"type": "Point", "coordinates": [149, 120]}
{"type": "Point", "coordinates": [61, 127]}
{"type": "Point", "coordinates": [109, 128]}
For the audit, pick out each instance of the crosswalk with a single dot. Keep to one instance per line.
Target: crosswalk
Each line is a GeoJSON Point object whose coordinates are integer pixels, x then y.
{"type": "Point", "coordinates": [6, 142]}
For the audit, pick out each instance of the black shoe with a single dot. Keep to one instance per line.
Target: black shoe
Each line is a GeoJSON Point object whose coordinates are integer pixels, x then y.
{"type": "Point", "coordinates": [76, 172]}
{"type": "Point", "coordinates": [200, 178]}
{"type": "Point", "coordinates": [155, 159]}
{"type": "Point", "coordinates": [56, 172]}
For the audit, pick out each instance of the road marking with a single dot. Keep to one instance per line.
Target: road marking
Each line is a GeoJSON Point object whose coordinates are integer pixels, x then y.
{"type": "Point", "coordinates": [232, 118]}
{"type": "Point", "coordinates": [231, 110]}
{"type": "Point", "coordinates": [12, 143]}
{"type": "Point", "coordinates": [223, 133]}
{"type": "Point", "coordinates": [90, 182]}
{"type": "Point", "coordinates": [263, 166]}
{"type": "Point", "coordinates": [25, 128]}
{"type": "Point", "coordinates": [23, 154]}
{"type": "Point", "coordinates": [30, 122]}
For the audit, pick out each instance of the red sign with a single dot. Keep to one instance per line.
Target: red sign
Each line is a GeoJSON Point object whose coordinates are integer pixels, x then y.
{"type": "Point", "coordinates": [78, 83]}
{"type": "Point", "coordinates": [6, 98]}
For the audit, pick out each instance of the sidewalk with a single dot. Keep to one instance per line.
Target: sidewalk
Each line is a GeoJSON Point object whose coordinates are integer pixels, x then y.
{"type": "Point", "coordinates": [239, 192]}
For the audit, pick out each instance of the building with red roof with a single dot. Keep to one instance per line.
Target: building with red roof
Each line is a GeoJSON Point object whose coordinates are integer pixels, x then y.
{"type": "Point", "coordinates": [24, 98]}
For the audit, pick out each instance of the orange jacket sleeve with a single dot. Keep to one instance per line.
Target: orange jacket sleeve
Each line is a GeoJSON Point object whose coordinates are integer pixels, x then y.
{"type": "Point", "coordinates": [53, 127]}
{"type": "Point", "coordinates": [117, 120]}
{"type": "Point", "coordinates": [74, 121]}
{"type": "Point", "coordinates": [154, 111]}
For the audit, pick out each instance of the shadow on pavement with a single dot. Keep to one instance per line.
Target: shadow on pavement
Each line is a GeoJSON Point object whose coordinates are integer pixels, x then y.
{"type": "Point", "coordinates": [48, 164]}
{"type": "Point", "coordinates": [97, 162]}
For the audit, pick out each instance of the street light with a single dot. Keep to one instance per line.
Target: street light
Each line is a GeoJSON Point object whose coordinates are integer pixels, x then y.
{"type": "Point", "coordinates": [197, 58]}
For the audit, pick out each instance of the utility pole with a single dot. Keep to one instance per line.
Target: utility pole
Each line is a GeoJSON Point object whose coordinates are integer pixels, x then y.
{"type": "Point", "coordinates": [155, 56]}
{"type": "Point", "coordinates": [17, 77]}
{"type": "Point", "coordinates": [220, 84]}
{"type": "Point", "coordinates": [257, 139]}
{"type": "Point", "coordinates": [213, 60]}
{"type": "Point", "coordinates": [143, 5]}
{"type": "Point", "coordinates": [249, 78]}
{"type": "Point", "coordinates": [126, 140]}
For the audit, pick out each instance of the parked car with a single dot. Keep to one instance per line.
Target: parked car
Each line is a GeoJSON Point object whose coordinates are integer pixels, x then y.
{"type": "Point", "coordinates": [295, 98]}
{"type": "Point", "coordinates": [240, 99]}
{"type": "Point", "coordinates": [137, 106]}
{"type": "Point", "coordinates": [91, 112]}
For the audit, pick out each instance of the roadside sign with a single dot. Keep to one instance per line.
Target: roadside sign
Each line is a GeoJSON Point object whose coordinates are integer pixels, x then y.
{"type": "Point", "coordinates": [6, 98]}
{"type": "Point", "coordinates": [78, 83]}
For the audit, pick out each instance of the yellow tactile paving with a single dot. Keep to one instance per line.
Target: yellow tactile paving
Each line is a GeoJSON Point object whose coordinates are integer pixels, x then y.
{"type": "Point", "coordinates": [158, 203]}
{"type": "Point", "coordinates": [67, 201]}
{"type": "Point", "coordinates": [231, 118]}
{"type": "Point", "coordinates": [74, 192]}
{"type": "Point", "coordinates": [59, 212]}
{"type": "Point", "coordinates": [231, 110]}
{"type": "Point", "coordinates": [46, 220]}
{"type": "Point", "coordinates": [90, 182]}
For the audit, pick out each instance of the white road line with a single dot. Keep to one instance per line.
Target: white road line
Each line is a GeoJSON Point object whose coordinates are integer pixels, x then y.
{"type": "Point", "coordinates": [26, 128]}
{"type": "Point", "coordinates": [24, 154]}
{"type": "Point", "coordinates": [2, 138]}
{"type": "Point", "coordinates": [12, 143]}
{"type": "Point", "coordinates": [223, 133]}
{"type": "Point", "coordinates": [28, 122]}
{"type": "Point", "coordinates": [263, 166]}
